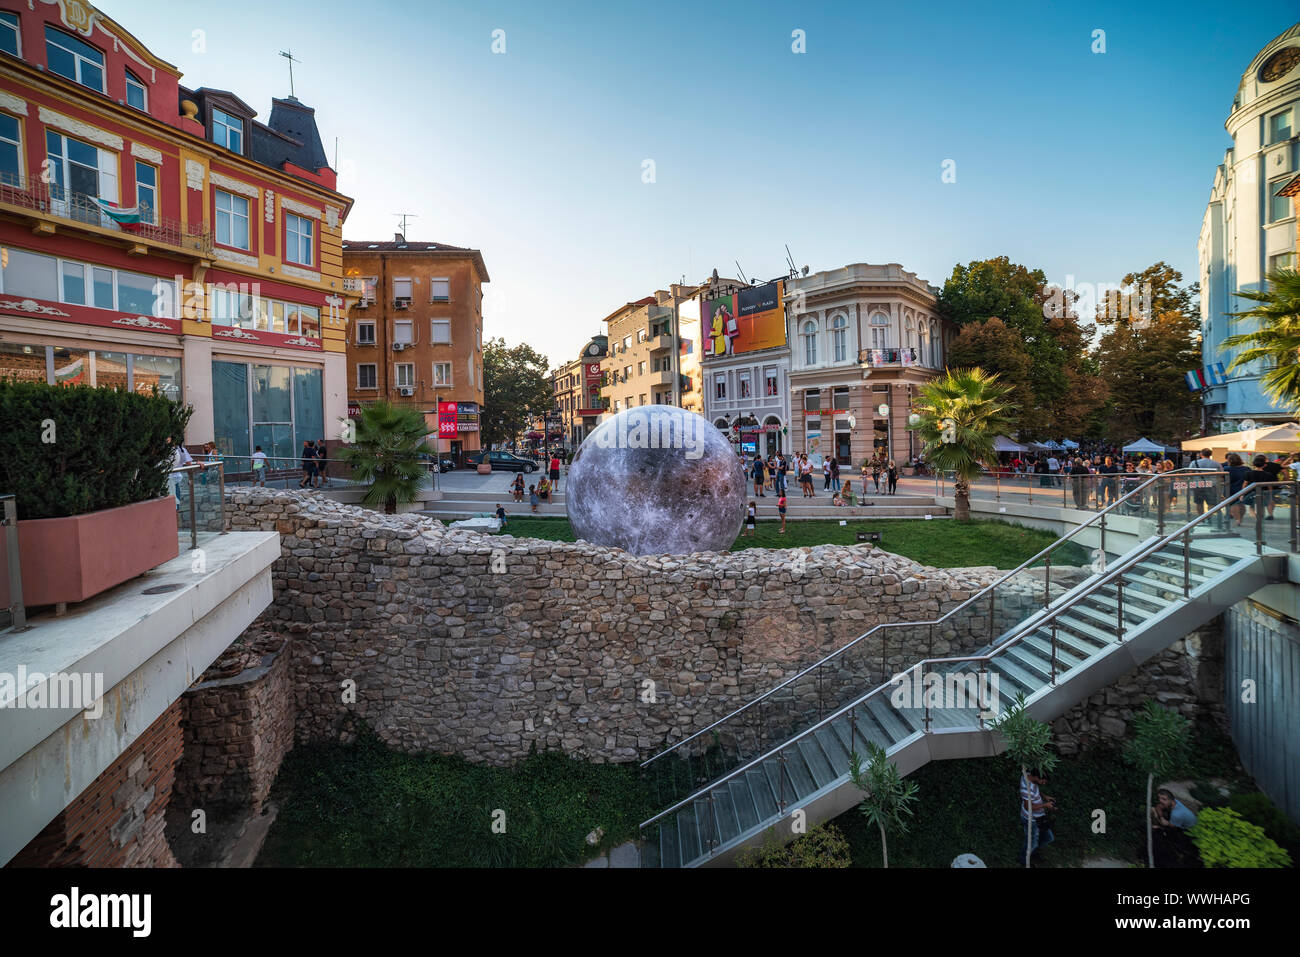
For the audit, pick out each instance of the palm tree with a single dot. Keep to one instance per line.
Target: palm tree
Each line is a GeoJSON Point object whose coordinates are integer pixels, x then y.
{"type": "Point", "coordinates": [386, 453]}
{"type": "Point", "coordinates": [962, 414]}
{"type": "Point", "coordinates": [1276, 340]}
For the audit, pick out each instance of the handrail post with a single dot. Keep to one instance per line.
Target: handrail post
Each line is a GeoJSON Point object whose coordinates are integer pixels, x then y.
{"type": "Point", "coordinates": [1047, 580]}
{"type": "Point", "coordinates": [780, 797]}
{"type": "Point", "coordinates": [1259, 521]}
{"type": "Point", "coordinates": [1187, 562]}
{"type": "Point", "coordinates": [1103, 536]}
{"type": "Point", "coordinates": [1119, 609]}
{"type": "Point", "coordinates": [997, 486]}
{"type": "Point", "coordinates": [713, 818]}
{"type": "Point", "coordinates": [1053, 650]}
{"type": "Point", "coordinates": [853, 729]}
{"type": "Point", "coordinates": [221, 480]}
{"type": "Point", "coordinates": [1160, 509]}
{"type": "Point", "coordinates": [1295, 510]}
{"type": "Point", "coordinates": [17, 608]}
{"type": "Point", "coordinates": [194, 525]}
{"type": "Point", "coordinates": [984, 683]}
{"type": "Point", "coordinates": [993, 595]}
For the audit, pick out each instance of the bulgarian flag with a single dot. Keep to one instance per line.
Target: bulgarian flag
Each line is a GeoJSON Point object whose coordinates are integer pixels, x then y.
{"type": "Point", "coordinates": [129, 219]}
{"type": "Point", "coordinates": [1195, 380]}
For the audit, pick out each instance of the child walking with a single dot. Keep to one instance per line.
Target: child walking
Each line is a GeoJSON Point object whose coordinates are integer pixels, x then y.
{"type": "Point", "coordinates": [533, 500]}
{"type": "Point", "coordinates": [780, 507]}
{"type": "Point", "coordinates": [751, 518]}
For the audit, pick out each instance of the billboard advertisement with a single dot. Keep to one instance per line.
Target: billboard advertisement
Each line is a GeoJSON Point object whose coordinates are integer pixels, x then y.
{"type": "Point", "coordinates": [447, 420]}
{"type": "Point", "coordinates": [745, 321]}
{"type": "Point", "coordinates": [690, 393]}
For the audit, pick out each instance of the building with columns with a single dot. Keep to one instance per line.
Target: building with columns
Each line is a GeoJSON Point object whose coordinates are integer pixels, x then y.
{"type": "Point", "coordinates": [863, 338]}
{"type": "Point", "coordinates": [1249, 227]}
{"type": "Point", "coordinates": [157, 236]}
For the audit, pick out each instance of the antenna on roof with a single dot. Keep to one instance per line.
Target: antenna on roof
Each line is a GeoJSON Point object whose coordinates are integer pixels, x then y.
{"type": "Point", "coordinates": [404, 218]}
{"type": "Point", "coordinates": [288, 55]}
{"type": "Point", "coordinates": [741, 271]}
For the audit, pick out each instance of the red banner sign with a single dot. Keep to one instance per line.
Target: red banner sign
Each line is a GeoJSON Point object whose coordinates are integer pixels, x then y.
{"type": "Point", "coordinates": [447, 419]}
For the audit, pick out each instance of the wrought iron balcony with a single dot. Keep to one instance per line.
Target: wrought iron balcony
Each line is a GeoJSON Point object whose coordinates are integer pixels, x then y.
{"type": "Point", "coordinates": [29, 193]}
{"type": "Point", "coordinates": [890, 357]}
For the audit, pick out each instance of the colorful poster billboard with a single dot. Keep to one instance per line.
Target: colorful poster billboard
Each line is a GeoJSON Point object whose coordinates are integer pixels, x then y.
{"type": "Point", "coordinates": [447, 420]}
{"type": "Point", "coordinates": [745, 321]}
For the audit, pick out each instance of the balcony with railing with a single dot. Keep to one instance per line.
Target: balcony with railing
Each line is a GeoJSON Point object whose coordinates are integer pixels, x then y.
{"type": "Point", "coordinates": [877, 358]}
{"type": "Point", "coordinates": [29, 195]}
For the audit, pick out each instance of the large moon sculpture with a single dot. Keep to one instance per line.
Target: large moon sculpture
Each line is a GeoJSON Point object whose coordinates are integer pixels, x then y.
{"type": "Point", "coordinates": [656, 480]}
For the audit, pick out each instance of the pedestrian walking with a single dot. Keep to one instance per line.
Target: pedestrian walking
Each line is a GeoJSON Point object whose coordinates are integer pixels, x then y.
{"type": "Point", "coordinates": [751, 518]}
{"type": "Point", "coordinates": [826, 474]}
{"type": "Point", "coordinates": [259, 467]}
{"type": "Point", "coordinates": [555, 471]}
{"type": "Point", "coordinates": [307, 463]}
{"type": "Point", "coordinates": [1034, 807]}
{"type": "Point", "coordinates": [892, 472]}
{"type": "Point", "coordinates": [758, 472]}
{"type": "Point", "coordinates": [322, 463]}
{"type": "Point", "coordinates": [835, 473]}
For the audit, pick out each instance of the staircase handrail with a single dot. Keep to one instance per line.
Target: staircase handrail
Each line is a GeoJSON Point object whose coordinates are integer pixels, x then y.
{"type": "Point", "coordinates": [1099, 516]}
{"type": "Point", "coordinates": [1125, 564]}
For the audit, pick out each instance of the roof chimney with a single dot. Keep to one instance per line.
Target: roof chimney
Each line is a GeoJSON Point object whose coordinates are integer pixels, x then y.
{"type": "Point", "coordinates": [398, 238]}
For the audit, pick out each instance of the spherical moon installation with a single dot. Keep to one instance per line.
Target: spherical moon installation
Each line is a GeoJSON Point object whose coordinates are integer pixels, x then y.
{"type": "Point", "coordinates": [656, 480]}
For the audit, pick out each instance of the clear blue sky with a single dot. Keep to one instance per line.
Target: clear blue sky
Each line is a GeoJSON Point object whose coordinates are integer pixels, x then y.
{"type": "Point", "coordinates": [1087, 165]}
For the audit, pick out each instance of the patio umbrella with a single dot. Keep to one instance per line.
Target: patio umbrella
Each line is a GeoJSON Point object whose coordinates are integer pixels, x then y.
{"type": "Point", "coordinates": [1268, 438]}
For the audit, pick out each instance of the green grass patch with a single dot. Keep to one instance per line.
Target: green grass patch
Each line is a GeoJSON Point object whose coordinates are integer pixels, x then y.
{"type": "Point", "coordinates": [972, 806]}
{"type": "Point", "coordinates": [943, 544]}
{"type": "Point", "coordinates": [365, 805]}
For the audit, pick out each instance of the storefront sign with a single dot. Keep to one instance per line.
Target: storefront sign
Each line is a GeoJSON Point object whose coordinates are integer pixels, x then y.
{"type": "Point", "coordinates": [447, 419]}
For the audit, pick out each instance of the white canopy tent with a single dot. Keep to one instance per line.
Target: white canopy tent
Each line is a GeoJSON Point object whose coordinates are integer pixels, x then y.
{"type": "Point", "coordinates": [1269, 438]}
{"type": "Point", "coordinates": [1004, 444]}
{"type": "Point", "coordinates": [1143, 445]}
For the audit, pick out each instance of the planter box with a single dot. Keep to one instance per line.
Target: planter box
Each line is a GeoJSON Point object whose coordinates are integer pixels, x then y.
{"type": "Point", "coordinates": [75, 558]}
{"type": "Point", "coordinates": [484, 469]}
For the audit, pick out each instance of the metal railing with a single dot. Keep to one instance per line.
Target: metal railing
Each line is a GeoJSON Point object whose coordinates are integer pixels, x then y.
{"type": "Point", "coordinates": [200, 493]}
{"type": "Point", "coordinates": [988, 592]}
{"type": "Point", "coordinates": [1242, 497]}
{"type": "Point", "coordinates": [29, 192]}
{"type": "Point", "coordinates": [1088, 492]}
{"type": "Point", "coordinates": [16, 611]}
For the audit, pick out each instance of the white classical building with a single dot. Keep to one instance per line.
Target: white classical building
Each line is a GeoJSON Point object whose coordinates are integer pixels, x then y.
{"type": "Point", "coordinates": [863, 339]}
{"type": "Point", "coordinates": [1248, 229]}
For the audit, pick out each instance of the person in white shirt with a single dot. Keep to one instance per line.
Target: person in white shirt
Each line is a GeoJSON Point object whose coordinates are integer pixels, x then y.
{"type": "Point", "coordinates": [1054, 468]}
{"type": "Point", "coordinates": [259, 467]}
{"type": "Point", "coordinates": [180, 457]}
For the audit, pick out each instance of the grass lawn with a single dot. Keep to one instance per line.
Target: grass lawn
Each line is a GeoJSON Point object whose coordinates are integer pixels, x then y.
{"type": "Point", "coordinates": [971, 806]}
{"type": "Point", "coordinates": [943, 544]}
{"type": "Point", "coordinates": [367, 806]}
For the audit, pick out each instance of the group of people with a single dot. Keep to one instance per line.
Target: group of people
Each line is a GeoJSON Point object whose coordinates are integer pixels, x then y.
{"type": "Point", "coordinates": [313, 463]}
{"type": "Point", "coordinates": [772, 475]}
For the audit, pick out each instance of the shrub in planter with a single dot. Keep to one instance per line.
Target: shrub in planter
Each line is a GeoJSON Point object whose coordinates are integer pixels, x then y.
{"type": "Point", "coordinates": [1225, 839]}
{"type": "Point", "coordinates": [1256, 808]}
{"type": "Point", "coordinates": [72, 450]}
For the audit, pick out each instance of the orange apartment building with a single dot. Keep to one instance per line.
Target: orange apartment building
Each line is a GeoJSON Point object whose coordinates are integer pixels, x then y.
{"type": "Point", "coordinates": [153, 235]}
{"type": "Point", "coordinates": [416, 333]}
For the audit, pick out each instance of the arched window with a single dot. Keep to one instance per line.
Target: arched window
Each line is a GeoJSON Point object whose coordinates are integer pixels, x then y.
{"type": "Point", "coordinates": [923, 356]}
{"type": "Point", "coordinates": [909, 341]}
{"type": "Point", "coordinates": [839, 338]}
{"type": "Point", "coordinates": [936, 353]}
{"type": "Point", "coordinates": [810, 343]}
{"type": "Point", "coordinates": [879, 331]}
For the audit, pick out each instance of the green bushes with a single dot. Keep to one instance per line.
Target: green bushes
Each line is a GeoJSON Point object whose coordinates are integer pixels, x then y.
{"type": "Point", "coordinates": [823, 846]}
{"type": "Point", "coordinates": [71, 450]}
{"type": "Point", "coordinates": [1225, 839]}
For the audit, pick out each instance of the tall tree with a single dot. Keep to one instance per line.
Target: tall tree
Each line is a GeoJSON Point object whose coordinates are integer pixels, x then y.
{"type": "Point", "coordinates": [516, 389]}
{"type": "Point", "coordinates": [1158, 747]}
{"type": "Point", "coordinates": [1275, 342]}
{"type": "Point", "coordinates": [1151, 340]}
{"type": "Point", "coordinates": [1059, 390]}
{"type": "Point", "coordinates": [386, 454]}
{"type": "Point", "coordinates": [995, 347]}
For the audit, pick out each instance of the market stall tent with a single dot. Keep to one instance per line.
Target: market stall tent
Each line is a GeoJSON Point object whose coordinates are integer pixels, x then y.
{"type": "Point", "coordinates": [1269, 438]}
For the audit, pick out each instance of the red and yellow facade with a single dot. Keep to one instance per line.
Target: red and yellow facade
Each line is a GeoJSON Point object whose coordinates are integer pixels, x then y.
{"type": "Point", "coordinates": [235, 262]}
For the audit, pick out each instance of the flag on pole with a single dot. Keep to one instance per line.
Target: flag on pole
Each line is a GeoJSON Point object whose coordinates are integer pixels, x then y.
{"type": "Point", "coordinates": [1216, 374]}
{"type": "Point", "coordinates": [1195, 380]}
{"type": "Point", "coordinates": [129, 219]}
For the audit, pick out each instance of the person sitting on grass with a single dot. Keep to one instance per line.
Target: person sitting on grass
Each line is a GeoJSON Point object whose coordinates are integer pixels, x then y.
{"type": "Point", "coordinates": [533, 500]}
{"type": "Point", "coordinates": [501, 516]}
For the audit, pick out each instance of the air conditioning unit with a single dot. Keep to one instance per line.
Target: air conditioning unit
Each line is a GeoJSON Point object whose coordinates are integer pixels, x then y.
{"type": "Point", "coordinates": [406, 390]}
{"type": "Point", "coordinates": [399, 346]}
{"type": "Point", "coordinates": [403, 303]}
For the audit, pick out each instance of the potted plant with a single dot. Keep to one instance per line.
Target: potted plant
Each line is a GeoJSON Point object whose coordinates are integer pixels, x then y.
{"type": "Point", "coordinates": [89, 469]}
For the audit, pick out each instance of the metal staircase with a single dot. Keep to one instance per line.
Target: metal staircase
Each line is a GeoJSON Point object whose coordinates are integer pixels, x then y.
{"type": "Point", "coordinates": [1056, 638]}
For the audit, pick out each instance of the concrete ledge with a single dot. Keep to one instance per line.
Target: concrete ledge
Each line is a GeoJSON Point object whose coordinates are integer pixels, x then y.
{"type": "Point", "coordinates": [148, 648]}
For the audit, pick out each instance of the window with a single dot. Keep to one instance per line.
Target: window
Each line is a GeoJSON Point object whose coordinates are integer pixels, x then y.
{"type": "Point", "coordinates": [9, 33]}
{"type": "Point", "coordinates": [298, 239]}
{"type": "Point", "coordinates": [367, 376]}
{"type": "Point", "coordinates": [440, 291]}
{"type": "Point", "coordinates": [79, 168]}
{"type": "Point", "coordinates": [29, 275]}
{"type": "Point", "coordinates": [1279, 127]}
{"type": "Point", "coordinates": [402, 290]}
{"type": "Point", "coordinates": [227, 131]}
{"type": "Point", "coordinates": [146, 192]}
{"type": "Point", "coordinates": [640, 368]}
{"type": "Point", "coordinates": [365, 333]}
{"type": "Point", "coordinates": [720, 387]}
{"type": "Point", "coordinates": [403, 331]}
{"type": "Point", "coordinates": [642, 335]}
{"type": "Point", "coordinates": [769, 382]}
{"type": "Point", "coordinates": [137, 95]}
{"type": "Point", "coordinates": [441, 332]}
{"type": "Point", "coordinates": [442, 373]}
{"type": "Point", "coordinates": [839, 338]}
{"type": "Point", "coordinates": [232, 220]}
{"type": "Point", "coordinates": [1281, 261]}
{"type": "Point", "coordinates": [405, 375]}
{"type": "Point", "coordinates": [643, 398]}
{"type": "Point", "coordinates": [11, 150]}
{"type": "Point", "coordinates": [935, 354]}
{"type": "Point", "coordinates": [74, 59]}
{"type": "Point", "coordinates": [627, 342]}
{"type": "Point", "coordinates": [144, 295]}
{"type": "Point", "coordinates": [1279, 206]}
{"type": "Point", "coordinates": [810, 343]}
{"type": "Point", "coordinates": [743, 382]}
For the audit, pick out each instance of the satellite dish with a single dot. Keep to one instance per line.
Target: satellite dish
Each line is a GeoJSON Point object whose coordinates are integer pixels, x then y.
{"type": "Point", "coordinates": [805, 270]}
